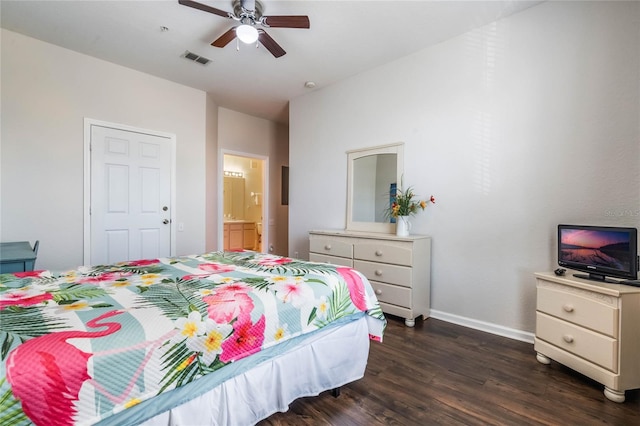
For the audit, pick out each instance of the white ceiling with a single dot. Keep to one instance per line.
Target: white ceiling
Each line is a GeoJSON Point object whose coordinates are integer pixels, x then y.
{"type": "Point", "coordinates": [345, 38]}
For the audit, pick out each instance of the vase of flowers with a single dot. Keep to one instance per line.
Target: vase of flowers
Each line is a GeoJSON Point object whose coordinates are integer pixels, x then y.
{"type": "Point", "coordinates": [405, 204]}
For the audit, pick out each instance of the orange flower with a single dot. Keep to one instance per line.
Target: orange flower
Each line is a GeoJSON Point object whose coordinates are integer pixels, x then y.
{"type": "Point", "coordinates": [403, 203]}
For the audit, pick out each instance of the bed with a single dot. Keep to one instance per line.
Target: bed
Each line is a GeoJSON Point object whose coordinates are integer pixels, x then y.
{"type": "Point", "coordinates": [223, 338]}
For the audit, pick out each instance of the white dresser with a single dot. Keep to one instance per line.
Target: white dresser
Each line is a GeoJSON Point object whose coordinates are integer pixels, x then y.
{"type": "Point", "coordinates": [399, 268]}
{"type": "Point", "coordinates": [591, 327]}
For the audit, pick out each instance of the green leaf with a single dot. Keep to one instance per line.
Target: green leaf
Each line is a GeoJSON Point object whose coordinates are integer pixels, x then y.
{"type": "Point", "coordinates": [7, 341]}
{"type": "Point", "coordinates": [312, 315]}
{"type": "Point", "coordinates": [10, 408]}
{"type": "Point", "coordinates": [75, 292]}
{"type": "Point", "coordinates": [25, 323]}
{"type": "Point", "coordinates": [102, 305]}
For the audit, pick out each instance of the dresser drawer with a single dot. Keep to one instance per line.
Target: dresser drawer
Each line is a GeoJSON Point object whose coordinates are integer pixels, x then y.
{"type": "Point", "coordinates": [381, 252]}
{"type": "Point", "coordinates": [333, 260]}
{"type": "Point", "coordinates": [594, 347]}
{"type": "Point", "coordinates": [392, 274]}
{"type": "Point", "coordinates": [331, 247]}
{"type": "Point", "coordinates": [399, 296]}
{"type": "Point", "coordinates": [580, 310]}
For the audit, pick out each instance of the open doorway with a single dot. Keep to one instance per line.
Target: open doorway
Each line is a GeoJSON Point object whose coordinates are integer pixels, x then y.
{"type": "Point", "coordinates": [244, 202]}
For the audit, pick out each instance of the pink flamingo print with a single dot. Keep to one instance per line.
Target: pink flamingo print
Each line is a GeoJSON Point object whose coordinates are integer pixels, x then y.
{"type": "Point", "coordinates": [356, 287]}
{"type": "Point", "coordinates": [46, 373]}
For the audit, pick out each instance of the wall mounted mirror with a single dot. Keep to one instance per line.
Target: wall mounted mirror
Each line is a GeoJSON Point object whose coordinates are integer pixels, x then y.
{"type": "Point", "coordinates": [234, 197]}
{"type": "Point", "coordinates": [372, 174]}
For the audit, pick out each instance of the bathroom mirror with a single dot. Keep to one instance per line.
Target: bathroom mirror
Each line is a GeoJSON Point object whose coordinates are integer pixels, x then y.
{"type": "Point", "coordinates": [234, 197]}
{"type": "Point", "coordinates": [371, 175]}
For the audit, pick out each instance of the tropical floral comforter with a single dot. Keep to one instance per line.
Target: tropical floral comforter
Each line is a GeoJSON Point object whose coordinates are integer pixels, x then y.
{"type": "Point", "coordinates": [77, 347]}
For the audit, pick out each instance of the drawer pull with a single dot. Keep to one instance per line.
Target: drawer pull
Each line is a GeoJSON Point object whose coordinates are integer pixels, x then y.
{"type": "Point", "coordinates": [327, 247]}
{"type": "Point", "coordinates": [567, 338]}
{"type": "Point", "coordinates": [378, 273]}
{"type": "Point", "coordinates": [378, 253]}
{"type": "Point", "coordinates": [378, 292]}
{"type": "Point", "coordinates": [567, 307]}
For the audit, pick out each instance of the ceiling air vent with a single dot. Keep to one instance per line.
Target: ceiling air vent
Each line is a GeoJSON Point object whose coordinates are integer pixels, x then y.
{"type": "Point", "coordinates": [196, 58]}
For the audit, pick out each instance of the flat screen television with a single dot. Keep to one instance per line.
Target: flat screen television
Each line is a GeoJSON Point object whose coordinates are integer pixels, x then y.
{"type": "Point", "coordinates": [599, 251]}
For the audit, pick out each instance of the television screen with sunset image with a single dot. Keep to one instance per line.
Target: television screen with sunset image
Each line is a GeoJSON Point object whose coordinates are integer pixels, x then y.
{"type": "Point", "coordinates": [600, 251]}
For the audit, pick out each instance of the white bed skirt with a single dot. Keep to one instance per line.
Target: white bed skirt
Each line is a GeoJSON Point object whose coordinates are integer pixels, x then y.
{"type": "Point", "coordinates": [327, 360]}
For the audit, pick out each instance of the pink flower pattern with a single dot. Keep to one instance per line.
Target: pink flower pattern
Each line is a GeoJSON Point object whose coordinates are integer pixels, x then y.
{"type": "Point", "coordinates": [245, 340]}
{"type": "Point", "coordinates": [271, 260]}
{"type": "Point", "coordinates": [143, 262]}
{"type": "Point", "coordinates": [216, 268]}
{"type": "Point", "coordinates": [228, 302]}
{"type": "Point", "coordinates": [28, 274]}
{"type": "Point", "coordinates": [210, 269]}
{"type": "Point", "coordinates": [23, 298]}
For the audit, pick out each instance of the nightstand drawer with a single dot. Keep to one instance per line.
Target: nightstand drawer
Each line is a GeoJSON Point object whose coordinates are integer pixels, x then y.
{"type": "Point", "coordinates": [392, 274]}
{"type": "Point", "coordinates": [594, 347]}
{"type": "Point", "coordinates": [386, 253]}
{"type": "Point", "coordinates": [331, 247]}
{"type": "Point", "coordinates": [400, 296]}
{"type": "Point", "coordinates": [578, 309]}
{"type": "Point", "coordinates": [333, 260]}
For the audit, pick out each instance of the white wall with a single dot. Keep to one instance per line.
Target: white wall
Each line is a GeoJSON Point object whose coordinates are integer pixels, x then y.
{"type": "Point", "coordinates": [514, 127]}
{"type": "Point", "coordinates": [240, 133]}
{"type": "Point", "coordinates": [47, 91]}
{"type": "Point", "coordinates": [211, 215]}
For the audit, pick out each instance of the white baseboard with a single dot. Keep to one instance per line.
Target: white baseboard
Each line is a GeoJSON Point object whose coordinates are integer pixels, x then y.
{"type": "Point", "coordinates": [523, 336]}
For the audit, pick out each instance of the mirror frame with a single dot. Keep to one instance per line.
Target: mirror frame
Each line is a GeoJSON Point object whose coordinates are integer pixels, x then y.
{"type": "Point", "coordinates": [379, 227]}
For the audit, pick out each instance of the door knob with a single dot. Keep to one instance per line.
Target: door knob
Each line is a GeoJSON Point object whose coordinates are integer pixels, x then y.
{"type": "Point", "coordinates": [166, 221]}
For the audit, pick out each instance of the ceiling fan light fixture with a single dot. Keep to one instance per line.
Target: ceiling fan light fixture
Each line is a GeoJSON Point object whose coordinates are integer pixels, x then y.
{"type": "Point", "coordinates": [247, 33]}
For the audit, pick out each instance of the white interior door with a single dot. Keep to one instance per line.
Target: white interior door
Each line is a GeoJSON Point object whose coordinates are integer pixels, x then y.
{"type": "Point", "coordinates": [130, 206]}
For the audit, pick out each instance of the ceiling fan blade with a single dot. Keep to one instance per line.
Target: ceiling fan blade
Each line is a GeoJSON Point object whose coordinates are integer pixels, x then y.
{"type": "Point", "coordinates": [283, 21]}
{"type": "Point", "coordinates": [270, 44]}
{"type": "Point", "coordinates": [225, 38]}
{"type": "Point", "coordinates": [204, 7]}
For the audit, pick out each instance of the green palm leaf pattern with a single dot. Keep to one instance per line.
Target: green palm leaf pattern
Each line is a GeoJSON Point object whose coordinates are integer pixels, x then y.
{"type": "Point", "coordinates": [10, 408]}
{"type": "Point", "coordinates": [175, 297]}
{"type": "Point", "coordinates": [376, 312]}
{"type": "Point", "coordinates": [179, 361]}
{"type": "Point", "coordinates": [133, 269]}
{"type": "Point", "coordinates": [75, 292]}
{"type": "Point", "coordinates": [227, 257]}
{"type": "Point", "coordinates": [20, 324]}
{"type": "Point", "coordinates": [184, 366]}
{"type": "Point", "coordinates": [250, 260]}
{"type": "Point", "coordinates": [257, 283]}
{"type": "Point", "coordinates": [296, 268]}
{"type": "Point", "coordinates": [339, 306]}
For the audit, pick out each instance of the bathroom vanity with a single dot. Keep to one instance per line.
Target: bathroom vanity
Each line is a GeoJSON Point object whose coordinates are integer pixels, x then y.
{"type": "Point", "coordinates": [240, 234]}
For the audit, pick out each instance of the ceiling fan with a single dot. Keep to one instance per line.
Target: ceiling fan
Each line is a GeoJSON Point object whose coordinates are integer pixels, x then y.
{"type": "Point", "coordinates": [249, 14]}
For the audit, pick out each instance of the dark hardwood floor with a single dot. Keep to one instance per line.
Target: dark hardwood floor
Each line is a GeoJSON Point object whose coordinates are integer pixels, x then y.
{"type": "Point", "coordinates": [441, 374]}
